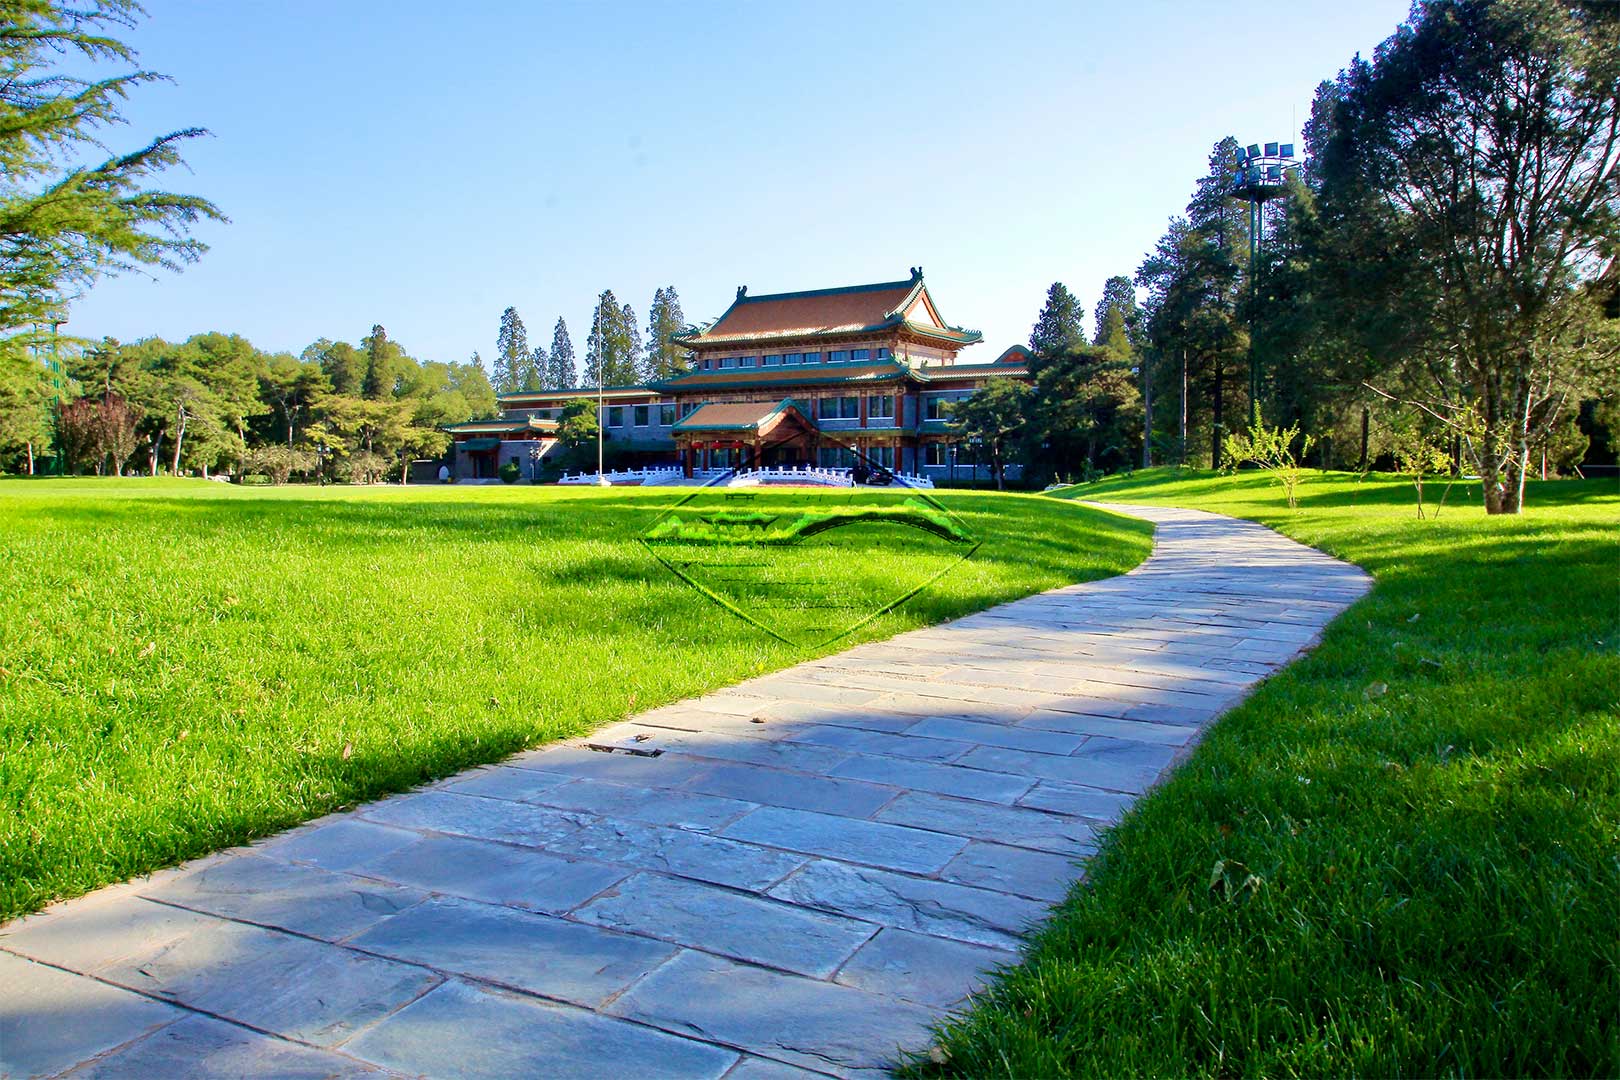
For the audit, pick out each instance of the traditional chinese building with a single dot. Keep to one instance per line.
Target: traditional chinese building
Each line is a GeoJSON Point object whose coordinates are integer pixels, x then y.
{"type": "Point", "coordinates": [823, 377]}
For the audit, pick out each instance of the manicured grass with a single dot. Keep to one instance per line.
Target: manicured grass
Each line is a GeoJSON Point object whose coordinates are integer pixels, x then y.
{"type": "Point", "coordinates": [186, 665]}
{"type": "Point", "coordinates": [1428, 806]}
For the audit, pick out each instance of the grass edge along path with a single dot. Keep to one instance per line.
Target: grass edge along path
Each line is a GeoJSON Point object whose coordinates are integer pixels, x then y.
{"type": "Point", "coordinates": [1397, 857]}
{"type": "Point", "coordinates": [186, 666]}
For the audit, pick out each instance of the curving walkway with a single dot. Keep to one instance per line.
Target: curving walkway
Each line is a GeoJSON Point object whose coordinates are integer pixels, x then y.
{"type": "Point", "coordinates": [792, 876]}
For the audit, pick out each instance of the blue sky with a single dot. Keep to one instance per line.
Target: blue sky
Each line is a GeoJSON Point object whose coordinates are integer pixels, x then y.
{"type": "Point", "coordinates": [426, 165]}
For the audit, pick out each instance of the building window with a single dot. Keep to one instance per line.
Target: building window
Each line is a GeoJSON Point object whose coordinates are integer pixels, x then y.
{"type": "Point", "coordinates": [861, 354]}
{"type": "Point", "coordinates": [837, 457]}
{"type": "Point", "coordinates": [934, 453]}
{"type": "Point", "coordinates": [880, 407]}
{"type": "Point", "coordinates": [934, 408]}
{"type": "Point", "coordinates": [640, 415]}
{"type": "Point", "coordinates": [748, 361]}
{"type": "Point", "coordinates": [772, 361]}
{"type": "Point", "coordinates": [839, 357]}
{"type": "Point", "coordinates": [728, 361]}
{"type": "Point", "coordinates": [882, 456]}
{"type": "Point", "coordinates": [666, 415]}
{"type": "Point", "coordinates": [688, 408]}
{"type": "Point", "coordinates": [840, 408]}
{"type": "Point", "coordinates": [812, 358]}
{"type": "Point", "coordinates": [884, 354]}
{"type": "Point", "coordinates": [706, 363]}
{"type": "Point", "coordinates": [793, 358]}
{"type": "Point", "coordinates": [615, 417]}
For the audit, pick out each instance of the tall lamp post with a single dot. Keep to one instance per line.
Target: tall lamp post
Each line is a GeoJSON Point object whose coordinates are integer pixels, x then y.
{"type": "Point", "coordinates": [601, 413]}
{"type": "Point", "coordinates": [1262, 175]}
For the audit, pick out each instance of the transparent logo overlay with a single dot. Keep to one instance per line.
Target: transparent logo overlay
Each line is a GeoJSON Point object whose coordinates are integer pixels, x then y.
{"type": "Point", "coordinates": [813, 563]}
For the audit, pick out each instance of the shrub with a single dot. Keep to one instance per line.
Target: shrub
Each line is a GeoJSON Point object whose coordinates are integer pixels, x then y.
{"type": "Point", "coordinates": [1272, 449]}
{"type": "Point", "coordinates": [510, 472]}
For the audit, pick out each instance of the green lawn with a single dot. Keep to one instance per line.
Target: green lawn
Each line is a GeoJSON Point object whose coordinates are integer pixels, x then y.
{"type": "Point", "coordinates": [185, 665]}
{"type": "Point", "coordinates": [1428, 806]}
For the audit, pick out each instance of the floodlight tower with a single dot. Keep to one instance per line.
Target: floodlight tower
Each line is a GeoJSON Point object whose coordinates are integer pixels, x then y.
{"type": "Point", "coordinates": [1262, 175]}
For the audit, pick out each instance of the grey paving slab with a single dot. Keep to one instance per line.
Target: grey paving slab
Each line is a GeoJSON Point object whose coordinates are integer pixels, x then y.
{"type": "Point", "coordinates": [752, 747]}
{"type": "Point", "coordinates": [893, 846]}
{"type": "Point", "coordinates": [926, 970]}
{"type": "Point", "coordinates": [202, 1048]}
{"type": "Point", "coordinates": [501, 782]}
{"type": "Point", "coordinates": [51, 1020]}
{"type": "Point", "coordinates": [494, 873]}
{"type": "Point", "coordinates": [941, 908]}
{"type": "Point", "coordinates": [795, 790]}
{"type": "Point", "coordinates": [881, 742]}
{"type": "Point", "coordinates": [654, 806]}
{"type": "Point", "coordinates": [788, 878]}
{"type": "Point", "coordinates": [471, 815]}
{"type": "Point", "coordinates": [1163, 733]}
{"type": "Point", "coordinates": [807, 1022]}
{"type": "Point", "coordinates": [96, 931]}
{"type": "Point", "coordinates": [943, 779]}
{"type": "Point", "coordinates": [1094, 803]}
{"type": "Point", "coordinates": [560, 959]}
{"type": "Point", "coordinates": [467, 1031]}
{"type": "Point", "coordinates": [1035, 875]}
{"type": "Point", "coordinates": [758, 1068]}
{"type": "Point", "coordinates": [337, 843]}
{"type": "Point", "coordinates": [1063, 834]}
{"type": "Point", "coordinates": [263, 978]}
{"type": "Point", "coordinates": [730, 923]}
{"type": "Point", "coordinates": [1041, 742]}
{"type": "Point", "coordinates": [677, 851]}
{"type": "Point", "coordinates": [305, 899]}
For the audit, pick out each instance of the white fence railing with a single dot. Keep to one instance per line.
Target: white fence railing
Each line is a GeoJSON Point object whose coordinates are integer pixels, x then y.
{"type": "Point", "coordinates": [662, 474]}
{"type": "Point", "coordinates": [815, 475]}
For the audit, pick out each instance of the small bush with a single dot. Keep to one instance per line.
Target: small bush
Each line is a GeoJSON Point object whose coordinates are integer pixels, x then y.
{"type": "Point", "coordinates": [510, 472]}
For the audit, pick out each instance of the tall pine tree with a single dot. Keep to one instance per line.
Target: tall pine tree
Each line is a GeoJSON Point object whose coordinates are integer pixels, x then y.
{"type": "Point", "coordinates": [384, 362]}
{"type": "Point", "coordinates": [511, 353]}
{"type": "Point", "coordinates": [563, 375]}
{"type": "Point", "coordinates": [612, 350]}
{"type": "Point", "coordinates": [535, 370]}
{"type": "Point", "coordinates": [665, 319]}
{"type": "Point", "coordinates": [1059, 329]}
{"type": "Point", "coordinates": [1115, 319]}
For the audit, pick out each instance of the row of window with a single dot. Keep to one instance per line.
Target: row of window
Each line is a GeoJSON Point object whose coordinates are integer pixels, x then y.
{"type": "Point", "coordinates": [793, 359]}
{"type": "Point", "coordinates": [878, 407]}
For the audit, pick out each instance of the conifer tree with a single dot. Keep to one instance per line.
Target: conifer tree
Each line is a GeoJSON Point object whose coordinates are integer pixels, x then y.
{"type": "Point", "coordinates": [1116, 315]}
{"type": "Point", "coordinates": [614, 344]}
{"type": "Point", "coordinates": [384, 360]}
{"type": "Point", "coordinates": [634, 350]}
{"type": "Point", "coordinates": [535, 371]}
{"type": "Point", "coordinates": [511, 353]}
{"type": "Point", "coordinates": [563, 374]}
{"type": "Point", "coordinates": [1059, 329]}
{"type": "Point", "coordinates": [64, 223]}
{"type": "Point", "coordinates": [665, 319]}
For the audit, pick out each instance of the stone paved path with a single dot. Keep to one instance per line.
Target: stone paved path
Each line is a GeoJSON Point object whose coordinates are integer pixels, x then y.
{"type": "Point", "coordinates": [793, 876]}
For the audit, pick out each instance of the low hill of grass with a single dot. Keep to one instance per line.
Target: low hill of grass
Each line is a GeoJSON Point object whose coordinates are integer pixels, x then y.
{"type": "Point", "coordinates": [1399, 857]}
{"type": "Point", "coordinates": [187, 665]}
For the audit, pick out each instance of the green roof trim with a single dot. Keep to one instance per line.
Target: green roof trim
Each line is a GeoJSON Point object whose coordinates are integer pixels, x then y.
{"type": "Point", "coordinates": [478, 444]}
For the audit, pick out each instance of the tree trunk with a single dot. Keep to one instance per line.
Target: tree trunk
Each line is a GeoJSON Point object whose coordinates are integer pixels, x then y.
{"type": "Point", "coordinates": [405, 469]}
{"type": "Point", "coordinates": [30, 457]}
{"type": "Point", "coordinates": [1147, 412]}
{"type": "Point", "coordinates": [1366, 420]}
{"type": "Point", "coordinates": [179, 440]}
{"type": "Point", "coordinates": [1181, 448]}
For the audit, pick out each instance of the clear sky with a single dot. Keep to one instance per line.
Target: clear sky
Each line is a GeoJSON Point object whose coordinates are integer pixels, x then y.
{"type": "Point", "coordinates": [424, 165]}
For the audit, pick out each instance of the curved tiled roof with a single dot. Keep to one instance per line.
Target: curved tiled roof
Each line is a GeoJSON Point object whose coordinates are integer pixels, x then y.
{"type": "Point", "coordinates": [739, 416]}
{"type": "Point", "coordinates": [846, 310]}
